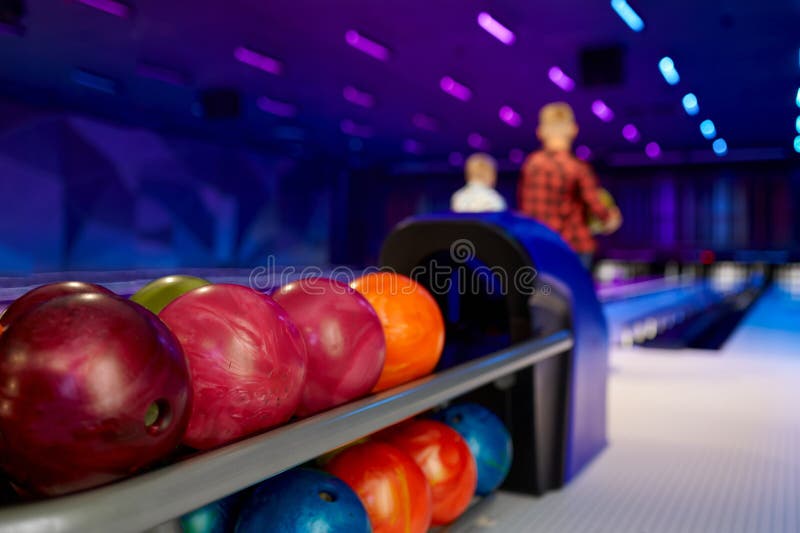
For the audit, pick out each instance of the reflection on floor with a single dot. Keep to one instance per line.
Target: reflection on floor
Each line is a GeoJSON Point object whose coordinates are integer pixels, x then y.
{"type": "Point", "coordinates": [697, 444]}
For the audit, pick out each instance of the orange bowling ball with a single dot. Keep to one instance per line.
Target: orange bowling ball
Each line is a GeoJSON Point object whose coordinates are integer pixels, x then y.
{"type": "Point", "coordinates": [445, 459]}
{"type": "Point", "coordinates": [389, 483]}
{"type": "Point", "coordinates": [412, 324]}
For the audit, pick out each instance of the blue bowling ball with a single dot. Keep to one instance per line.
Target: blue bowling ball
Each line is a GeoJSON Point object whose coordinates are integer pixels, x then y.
{"type": "Point", "coordinates": [303, 500]}
{"type": "Point", "coordinates": [216, 517]}
{"type": "Point", "coordinates": [488, 440]}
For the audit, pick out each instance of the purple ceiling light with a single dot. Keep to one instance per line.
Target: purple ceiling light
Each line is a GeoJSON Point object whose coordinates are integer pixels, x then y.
{"type": "Point", "coordinates": [510, 117]}
{"type": "Point", "coordinates": [558, 77]}
{"type": "Point", "coordinates": [163, 74]}
{"type": "Point", "coordinates": [257, 60]}
{"type": "Point", "coordinates": [455, 89]}
{"type": "Point", "coordinates": [495, 29]}
{"type": "Point", "coordinates": [368, 46]}
{"type": "Point", "coordinates": [653, 150]}
{"type": "Point", "coordinates": [425, 122]}
{"type": "Point", "coordinates": [583, 152]}
{"type": "Point", "coordinates": [516, 156]}
{"type": "Point", "coordinates": [478, 141]}
{"type": "Point", "coordinates": [602, 111]}
{"type": "Point", "coordinates": [118, 9]}
{"type": "Point", "coordinates": [361, 98]}
{"type": "Point", "coordinates": [356, 130]}
{"type": "Point", "coordinates": [274, 107]}
{"type": "Point", "coordinates": [631, 133]}
{"type": "Point", "coordinates": [411, 146]}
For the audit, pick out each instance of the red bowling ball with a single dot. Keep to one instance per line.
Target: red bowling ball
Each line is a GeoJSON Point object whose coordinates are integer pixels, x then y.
{"type": "Point", "coordinates": [344, 338]}
{"type": "Point", "coordinates": [389, 483]}
{"type": "Point", "coordinates": [445, 459]}
{"type": "Point", "coordinates": [247, 361]}
{"type": "Point", "coordinates": [40, 295]}
{"type": "Point", "coordinates": [92, 389]}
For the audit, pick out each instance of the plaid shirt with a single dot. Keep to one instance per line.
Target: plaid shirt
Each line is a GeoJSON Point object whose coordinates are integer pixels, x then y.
{"type": "Point", "coordinates": [560, 191]}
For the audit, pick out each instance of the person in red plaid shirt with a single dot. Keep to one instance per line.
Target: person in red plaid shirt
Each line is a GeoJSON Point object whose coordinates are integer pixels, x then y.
{"type": "Point", "coordinates": [561, 191]}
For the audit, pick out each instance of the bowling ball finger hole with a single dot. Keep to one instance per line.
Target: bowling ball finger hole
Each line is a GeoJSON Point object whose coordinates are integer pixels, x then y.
{"type": "Point", "coordinates": [327, 496]}
{"type": "Point", "coordinates": [457, 419]}
{"type": "Point", "coordinates": [157, 417]}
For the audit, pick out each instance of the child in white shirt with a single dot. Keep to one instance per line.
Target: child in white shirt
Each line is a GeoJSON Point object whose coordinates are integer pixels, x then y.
{"type": "Point", "coordinates": [478, 195]}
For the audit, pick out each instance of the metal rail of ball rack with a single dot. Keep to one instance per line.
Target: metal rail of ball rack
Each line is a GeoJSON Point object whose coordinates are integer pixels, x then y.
{"type": "Point", "coordinates": [154, 498]}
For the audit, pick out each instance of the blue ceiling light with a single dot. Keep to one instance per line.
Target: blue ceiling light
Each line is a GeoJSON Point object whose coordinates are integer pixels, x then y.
{"type": "Point", "coordinates": [708, 129]}
{"type": "Point", "coordinates": [628, 15]}
{"type": "Point", "coordinates": [797, 144]}
{"type": "Point", "coordinates": [797, 124]}
{"type": "Point", "coordinates": [667, 68]}
{"type": "Point", "coordinates": [720, 147]}
{"type": "Point", "coordinates": [797, 98]}
{"type": "Point", "coordinates": [690, 104]}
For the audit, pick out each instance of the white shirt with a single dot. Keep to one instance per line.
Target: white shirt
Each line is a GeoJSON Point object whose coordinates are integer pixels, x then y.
{"type": "Point", "coordinates": [477, 198]}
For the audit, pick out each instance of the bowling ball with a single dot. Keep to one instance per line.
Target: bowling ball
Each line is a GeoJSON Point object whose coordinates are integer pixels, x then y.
{"type": "Point", "coordinates": [326, 458]}
{"type": "Point", "coordinates": [158, 293]}
{"type": "Point", "coordinates": [344, 339]}
{"type": "Point", "coordinates": [300, 501]}
{"type": "Point", "coordinates": [444, 458]}
{"type": "Point", "coordinates": [216, 517]}
{"type": "Point", "coordinates": [595, 224]}
{"type": "Point", "coordinates": [389, 483]}
{"type": "Point", "coordinates": [412, 324]}
{"type": "Point", "coordinates": [488, 440]}
{"type": "Point", "coordinates": [42, 294]}
{"type": "Point", "coordinates": [94, 388]}
{"type": "Point", "coordinates": [247, 360]}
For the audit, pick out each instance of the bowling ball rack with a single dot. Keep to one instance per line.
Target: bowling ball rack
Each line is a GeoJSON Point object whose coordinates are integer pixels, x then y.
{"type": "Point", "coordinates": [544, 375]}
{"type": "Point", "coordinates": [153, 500]}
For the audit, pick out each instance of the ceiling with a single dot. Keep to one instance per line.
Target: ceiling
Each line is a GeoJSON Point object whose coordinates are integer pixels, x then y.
{"type": "Point", "coordinates": [741, 59]}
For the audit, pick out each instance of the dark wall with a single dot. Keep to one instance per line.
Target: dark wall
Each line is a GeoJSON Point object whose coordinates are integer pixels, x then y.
{"type": "Point", "coordinates": [82, 193]}
{"type": "Point", "coordinates": [726, 208]}
{"type": "Point", "coordinates": [670, 212]}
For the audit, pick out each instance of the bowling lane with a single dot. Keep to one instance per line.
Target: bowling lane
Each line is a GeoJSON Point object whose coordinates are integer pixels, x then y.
{"type": "Point", "coordinates": [696, 444]}
{"type": "Point", "coordinates": [770, 329]}
{"type": "Point", "coordinates": [617, 290]}
{"type": "Point", "coordinates": [668, 303]}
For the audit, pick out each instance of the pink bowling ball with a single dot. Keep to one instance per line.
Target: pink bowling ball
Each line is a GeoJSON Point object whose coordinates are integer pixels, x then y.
{"type": "Point", "coordinates": [344, 338]}
{"type": "Point", "coordinates": [247, 361]}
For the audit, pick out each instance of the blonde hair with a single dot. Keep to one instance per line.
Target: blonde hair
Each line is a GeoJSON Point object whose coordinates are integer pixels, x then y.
{"type": "Point", "coordinates": [481, 166]}
{"type": "Point", "coordinates": [556, 114]}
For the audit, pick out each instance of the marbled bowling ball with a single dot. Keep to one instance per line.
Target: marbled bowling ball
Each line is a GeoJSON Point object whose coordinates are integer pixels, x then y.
{"type": "Point", "coordinates": [389, 483]}
{"type": "Point", "coordinates": [412, 324]}
{"type": "Point", "coordinates": [94, 388]}
{"type": "Point", "coordinates": [247, 361]}
{"type": "Point", "coordinates": [488, 440]}
{"type": "Point", "coordinates": [344, 338]}
{"type": "Point", "coordinates": [444, 458]}
{"type": "Point", "coordinates": [44, 293]}
{"type": "Point", "coordinates": [303, 501]}
{"type": "Point", "coordinates": [216, 517]}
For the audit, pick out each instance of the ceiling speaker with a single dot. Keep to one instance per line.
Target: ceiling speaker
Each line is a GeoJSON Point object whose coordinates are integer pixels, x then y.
{"type": "Point", "coordinates": [602, 65]}
{"type": "Point", "coordinates": [220, 103]}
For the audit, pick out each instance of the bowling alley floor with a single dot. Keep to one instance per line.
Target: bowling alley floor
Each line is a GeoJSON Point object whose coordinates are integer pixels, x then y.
{"type": "Point", "coordinates": [698, 442]}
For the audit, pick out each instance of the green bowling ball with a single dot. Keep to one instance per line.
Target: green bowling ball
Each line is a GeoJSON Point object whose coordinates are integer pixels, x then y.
{"type": "Point", "coordinates": [157, 294]}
